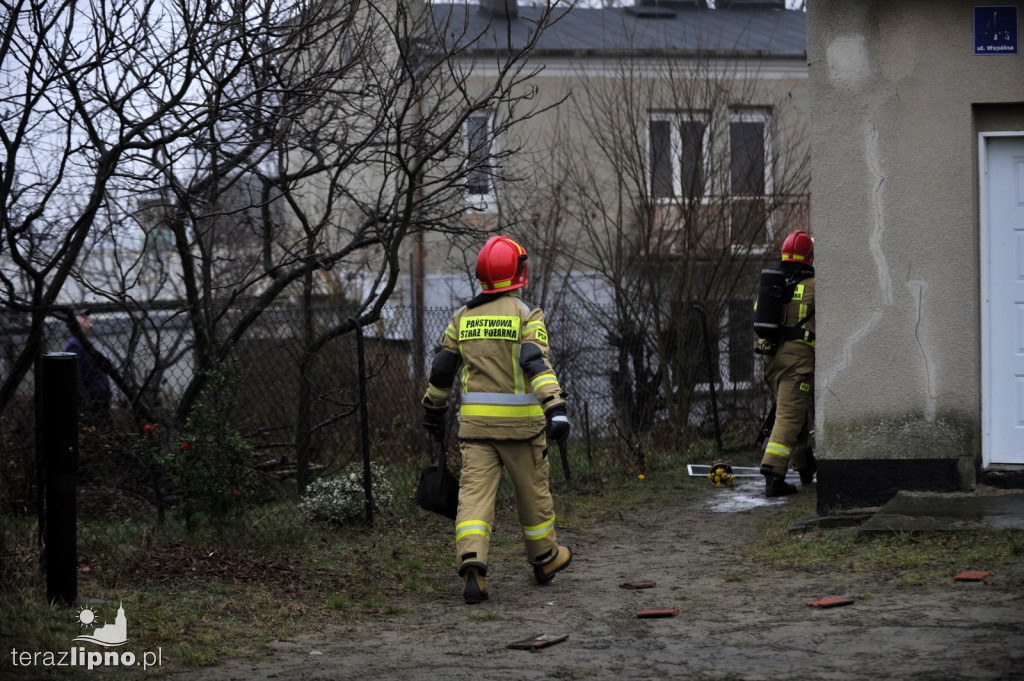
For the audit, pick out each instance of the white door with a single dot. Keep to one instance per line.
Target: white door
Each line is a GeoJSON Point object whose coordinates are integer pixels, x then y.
{"type": "Point", "coordinates": [1002, 213]}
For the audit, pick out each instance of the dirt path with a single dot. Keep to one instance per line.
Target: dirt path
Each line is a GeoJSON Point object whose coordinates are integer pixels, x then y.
{"type": "Point", "coordinates": [732, 624]}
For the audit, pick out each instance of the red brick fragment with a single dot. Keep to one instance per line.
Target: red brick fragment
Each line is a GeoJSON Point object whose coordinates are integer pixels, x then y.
{"type": "Point", "coordinates": [830, 602]}
{"type": "Point", "coordinates": [658, 612]}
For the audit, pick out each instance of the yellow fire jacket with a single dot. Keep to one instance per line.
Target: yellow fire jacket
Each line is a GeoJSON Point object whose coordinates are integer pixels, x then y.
{"type": "Point", "coordinates": [506, 382]}
{"type": "Point", "coordinates": [800, 309]}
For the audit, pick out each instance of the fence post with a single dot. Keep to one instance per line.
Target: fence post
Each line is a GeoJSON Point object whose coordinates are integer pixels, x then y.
{"type": "Point", "coordinates": [586, 429]}
{"type": "Point", "coordinates": [59, 445]}
{"type": "Point", "coordinates": [364, 422]}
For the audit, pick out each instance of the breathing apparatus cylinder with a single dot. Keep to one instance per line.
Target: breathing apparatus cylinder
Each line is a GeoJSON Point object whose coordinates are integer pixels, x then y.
{"type": "Point", "coordinates": [770, 305]}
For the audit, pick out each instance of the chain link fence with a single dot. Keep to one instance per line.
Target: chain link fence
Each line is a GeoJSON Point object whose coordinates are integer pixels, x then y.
{"type": "Point", "coordinates": [279, 436]}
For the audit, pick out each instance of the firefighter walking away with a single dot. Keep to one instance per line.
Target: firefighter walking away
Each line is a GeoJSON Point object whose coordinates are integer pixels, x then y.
{"type": "Point", "coordinates": [510, 406]}
{"type": "Point", "coordinates": [784, 323]}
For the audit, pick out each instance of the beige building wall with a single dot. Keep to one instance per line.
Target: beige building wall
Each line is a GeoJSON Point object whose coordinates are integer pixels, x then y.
{"type": "Point", "coordinates": [542, 139]}
{"type": "Point", "coordinates": [898, 98]}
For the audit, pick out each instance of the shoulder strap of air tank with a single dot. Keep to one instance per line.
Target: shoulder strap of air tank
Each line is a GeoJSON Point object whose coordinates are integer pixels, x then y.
{"type": "Point", "coordinates": [798, 331]}
{"type": "Point", "coordinates": [482, 298]}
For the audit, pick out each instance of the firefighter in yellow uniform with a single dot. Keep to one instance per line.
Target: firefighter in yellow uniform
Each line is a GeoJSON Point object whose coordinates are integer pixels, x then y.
{"type": "Point", "coordinates": [510, 405]}
{"type": "Point", "coordinates": [789, 371]}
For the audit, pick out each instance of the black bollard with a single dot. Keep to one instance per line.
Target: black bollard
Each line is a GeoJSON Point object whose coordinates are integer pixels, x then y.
{"type": "Point", "coordinates": [58, 442]}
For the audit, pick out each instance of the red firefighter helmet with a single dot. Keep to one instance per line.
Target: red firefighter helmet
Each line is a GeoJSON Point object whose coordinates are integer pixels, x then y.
{"type": "Point", "coordinates": [501, 265]}
{"type": "Point", "coordinates": [799, 247]}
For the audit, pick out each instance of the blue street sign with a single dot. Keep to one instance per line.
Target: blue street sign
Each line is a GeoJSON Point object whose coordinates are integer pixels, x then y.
{"type": "Point", "coordinates": [995, 29]}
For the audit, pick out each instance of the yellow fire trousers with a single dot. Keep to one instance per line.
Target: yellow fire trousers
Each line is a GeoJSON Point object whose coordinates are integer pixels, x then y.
{"type": "Point", "coordinates": [527, 465]}
{"type": "Point", "coordinates": [790, 375]}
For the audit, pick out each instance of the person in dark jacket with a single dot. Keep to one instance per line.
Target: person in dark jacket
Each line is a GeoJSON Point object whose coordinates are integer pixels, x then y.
{"type": "Point", "coordinates": [94, 391]}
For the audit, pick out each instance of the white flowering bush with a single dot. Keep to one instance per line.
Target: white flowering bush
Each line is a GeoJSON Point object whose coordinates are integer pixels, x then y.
{"type": "Point", "coordinates": [340, 500]}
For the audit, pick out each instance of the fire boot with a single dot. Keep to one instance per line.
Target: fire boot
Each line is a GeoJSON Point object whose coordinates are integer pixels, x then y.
{"type": "Point", "coordinates": [775, 485]}
{"type": "Point", "coordinates": [545, 572]}
{"type": "Point", "coordinates": [474, 590]}
{"type": "Point", "coordinates": [807, 474]}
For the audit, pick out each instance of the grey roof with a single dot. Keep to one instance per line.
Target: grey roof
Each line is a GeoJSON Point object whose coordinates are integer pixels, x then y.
{"type": "Point", "coordinates": [585, 31]}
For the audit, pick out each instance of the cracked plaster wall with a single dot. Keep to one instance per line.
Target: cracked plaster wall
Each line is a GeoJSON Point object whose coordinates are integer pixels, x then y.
{"type": "Point", "coordinates": [894, 90]}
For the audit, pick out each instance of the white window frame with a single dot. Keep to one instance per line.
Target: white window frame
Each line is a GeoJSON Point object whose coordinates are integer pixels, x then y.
{"type": "Point", "coordinates": [488, 201]}
{"type": "Point", "coordinates": [675, 120]}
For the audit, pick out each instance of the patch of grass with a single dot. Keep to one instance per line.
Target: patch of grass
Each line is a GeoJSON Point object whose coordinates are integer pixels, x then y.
{"type": "Point", "coordinates": [917, 558]}
{"type": "Point", "coordinates": [339, 602]}
{"type": "Point", "coordinates": [912, 579]}
{"type": "Point", "coordinates": [483, 616]}
{"type": "Point", "coordinates": [199, 601]}
{"type": "Point", "coordinates": [423, 585]}
{"type": "Point", "coordinates": [193, 626]}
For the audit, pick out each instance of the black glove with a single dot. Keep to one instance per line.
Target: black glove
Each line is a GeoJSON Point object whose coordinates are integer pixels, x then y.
{"type": "Point", "coordinates": [558, 423]}
{"type": "Point", "coordinates": [434, 423]}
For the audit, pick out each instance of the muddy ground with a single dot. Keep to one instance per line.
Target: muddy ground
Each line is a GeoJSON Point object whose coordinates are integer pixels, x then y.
{"type": "Point", "coordinates": [732, 623]}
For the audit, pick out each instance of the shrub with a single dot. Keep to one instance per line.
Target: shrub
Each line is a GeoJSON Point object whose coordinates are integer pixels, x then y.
{"type": "Point", "coordinates": [209, 461]}
{"type": "Point", "coordinates": [341, 500]}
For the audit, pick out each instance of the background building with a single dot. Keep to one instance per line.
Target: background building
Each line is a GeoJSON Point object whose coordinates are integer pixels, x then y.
{"type": "Point", "coordinates": [659, 158]}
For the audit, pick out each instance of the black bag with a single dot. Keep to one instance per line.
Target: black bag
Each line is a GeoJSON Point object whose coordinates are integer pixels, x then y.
{"type": "Point", "coordinates": [438, 489]}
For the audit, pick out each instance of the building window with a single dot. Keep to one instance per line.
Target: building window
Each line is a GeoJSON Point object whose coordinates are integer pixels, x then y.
{"type": "Point", "coordinates": [479, 157]}
{"type": "Point", "coordinates": [749, 178]}
{"type": "Point", "coordinates": [677, 154]}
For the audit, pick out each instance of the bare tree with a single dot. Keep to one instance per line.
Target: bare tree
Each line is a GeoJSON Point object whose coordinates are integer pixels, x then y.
{"type": "Point", "coordinates": [226, 158]}
{"type": "Point", "coordinates": [669, 183]}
